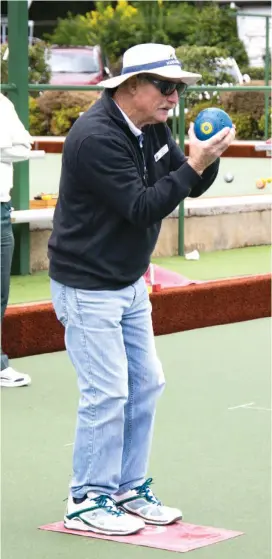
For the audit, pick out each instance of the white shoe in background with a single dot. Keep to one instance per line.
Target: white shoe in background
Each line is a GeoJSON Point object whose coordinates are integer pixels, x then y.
{"type": "Point", "coordinates": [11, 378]}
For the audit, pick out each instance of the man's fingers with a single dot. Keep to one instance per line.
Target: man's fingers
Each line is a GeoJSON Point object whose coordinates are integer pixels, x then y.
{"type": "Point", "coordinates": [191, 132]}
{"type": "Point", "coordinates": [219, 136]}
{"type": "Point", "coordinates": [233, 133]}
{"type": "Point", "coordinates": [230, 137]}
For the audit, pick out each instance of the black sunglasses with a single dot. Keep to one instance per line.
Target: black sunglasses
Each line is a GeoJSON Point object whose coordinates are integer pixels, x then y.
{"type": "Point", "coordinates": [166, 87]}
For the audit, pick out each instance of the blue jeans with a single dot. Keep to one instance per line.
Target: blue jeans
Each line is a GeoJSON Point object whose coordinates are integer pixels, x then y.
{"type": "Point", "coordinates": [7, 246]}
{"type": "Point", "coordinates": [109, 338]}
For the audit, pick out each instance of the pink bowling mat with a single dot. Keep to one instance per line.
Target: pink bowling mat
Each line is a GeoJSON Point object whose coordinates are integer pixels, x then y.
{"type": "Point", "coordinates": [179, 537]}
{"type": "Point", "coordinates": [166, 278]}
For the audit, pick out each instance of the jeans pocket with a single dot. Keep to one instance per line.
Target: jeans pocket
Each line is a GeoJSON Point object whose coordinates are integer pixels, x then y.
{"type": "Point", "coordinates": [59, 301]}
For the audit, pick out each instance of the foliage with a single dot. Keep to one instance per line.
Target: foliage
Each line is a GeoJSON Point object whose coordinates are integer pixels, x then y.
{"type": "Point", "coordinates": [38, 69]}
{"type": "Point", "coordinates": [72, 31]}
{"type": "Point", "coordinates": [119, 25]}
{"type": "Point", "coordinates": [261, 125]}
{"type": "Point", "coordinates": [151, 21]}
{"type": "Point", "coordinates": [38, 122]}
{"type": "Point", "coordinates": [54, 112]}
{"type": "Point", "coordinates": [246, 126]}
{"type": "Point", "coordinates": [180, 23]}
{"type": "Point", "coordinates": [63, 119]}
{"type": "Point", "coordinates": [206, 24]}
{"type": "Point", "coordinates": [52, 101]}
{"type": "Point", "coordinates": [255, 73]}
{"type": "Point", "coordinates": [202, 60]}
{"type": "Point", "coordinates": [115, 30]}
{"type": "Point", "coordinates": [251, 102]}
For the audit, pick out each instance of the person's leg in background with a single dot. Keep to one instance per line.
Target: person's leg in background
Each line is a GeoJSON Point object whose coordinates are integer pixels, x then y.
{"type": "Point", "coordinates": [146, 382]}
{"type": "Point", "coordinates": [8, 377]}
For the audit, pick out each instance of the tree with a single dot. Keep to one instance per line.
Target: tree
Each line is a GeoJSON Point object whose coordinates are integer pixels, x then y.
{"type": "Point", "coordinates": [73, 31]}
{"type": "Point", "coordinates": [203, 60]}
{"type": "Point", "coordinates": [151, 17]}
{"type": "Point", "coordinates": [116, 26]}
{"type": "Point", "coordinates": [205, 24]}
{"type": "Point", "coordinates": [114, 29]}
{"type": "Point", "coordinates": [38, 68]}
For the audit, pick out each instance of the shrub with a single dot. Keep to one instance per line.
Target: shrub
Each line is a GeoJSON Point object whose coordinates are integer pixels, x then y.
{"type": "Point", "coordinates": [205, 23]}
{"type": "Point", "coordinates": [51, 101]}
{"type": "Point", "coordinates": [261, 125]}
{"type": "Point", "coordinates": [73, 31]}
{"type": "Point", "coordinates": [61, 108]}
{"type": "Point", "coordinates": [38, 69]}
{"type": "Point", "coordinates": [38, 122]}
{"type": "Point", "coordinates": [54, 112]}
{"type": "Point", "coordinates": [114, 30]}
{"type": "Point", "coordinates": [202, 60]}
{"type": "Point", "coordinates": [249, 102]}
{"type": "Point", "coordinates": [255, 73]}
{"type": "Point", "coordinates": [246, 126]}
{"type": "Point", "coordinates": [63, 119]}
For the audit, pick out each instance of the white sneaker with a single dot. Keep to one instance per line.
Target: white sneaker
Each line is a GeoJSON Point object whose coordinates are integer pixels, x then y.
{"type": "Point", "coordinates": [142, 502]}
{"type": "Point", "coordinates": [99, 514]}
{"type": "Point", "coordinates": [11, 378]}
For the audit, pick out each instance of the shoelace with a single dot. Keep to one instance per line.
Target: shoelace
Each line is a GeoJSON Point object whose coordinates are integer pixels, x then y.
{"type": "Point", "coordinates": [145, 491]}
{"type": "Point", "coordinates": [105, 502]}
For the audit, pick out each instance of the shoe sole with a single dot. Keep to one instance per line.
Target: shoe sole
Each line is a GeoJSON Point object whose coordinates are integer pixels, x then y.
{"type": "Point", "coordinates": [82, 526]}
{"type": "Point", "coordinates": [152, 522]}
{"type": "Point", "coordinates": [7, 384]}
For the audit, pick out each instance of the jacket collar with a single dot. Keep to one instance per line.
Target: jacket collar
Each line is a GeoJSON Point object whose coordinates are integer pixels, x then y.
{"type": "Point", "coordinates": [115, 113]}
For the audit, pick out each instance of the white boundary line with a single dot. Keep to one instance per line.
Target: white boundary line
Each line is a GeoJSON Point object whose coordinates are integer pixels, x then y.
{"type": "Point", "coordinates": [242, 406]}
{"type": "Point", "coordinates": [250, 406]}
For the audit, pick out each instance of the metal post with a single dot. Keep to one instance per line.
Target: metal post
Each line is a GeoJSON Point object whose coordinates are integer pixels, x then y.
{"type": "Point", "coordinates": [181, 205]}
{"type": "Point", "coordinates": [18, 74]}
{"type": "Point", "coordinates": [267, 64]}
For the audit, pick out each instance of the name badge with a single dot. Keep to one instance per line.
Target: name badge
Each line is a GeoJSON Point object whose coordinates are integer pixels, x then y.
{"type": "Point", "coordinates": [161, 152]}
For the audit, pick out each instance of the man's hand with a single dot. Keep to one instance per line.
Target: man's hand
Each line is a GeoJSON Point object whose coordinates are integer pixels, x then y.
{"type": "Point", "coordinates": [204, 153]}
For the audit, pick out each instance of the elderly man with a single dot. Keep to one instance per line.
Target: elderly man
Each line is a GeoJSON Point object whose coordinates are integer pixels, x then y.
{"type": "Point", "coordinates": [122, 173]}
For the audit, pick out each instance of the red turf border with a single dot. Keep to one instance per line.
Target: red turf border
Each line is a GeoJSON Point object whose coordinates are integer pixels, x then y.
{"type": "Point", "coordinates": [34, 329]}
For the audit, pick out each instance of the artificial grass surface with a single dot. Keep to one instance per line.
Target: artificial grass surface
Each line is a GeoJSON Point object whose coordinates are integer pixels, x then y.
{"type": "Point", "coordinates": [211, 265]}
{"type": "Point", "coordinates": [211, 461]}
{"type": "Point", "coordinates": [221, 264]}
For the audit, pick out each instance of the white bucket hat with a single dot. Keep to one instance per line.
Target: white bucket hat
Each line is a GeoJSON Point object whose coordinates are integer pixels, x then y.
{"type": "Point", "coordinates": [151, 58]}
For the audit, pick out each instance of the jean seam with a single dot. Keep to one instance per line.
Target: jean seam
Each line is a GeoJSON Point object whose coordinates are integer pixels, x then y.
{"type": "Point", "coordinates": [93, 409]}
{"type": "Point", "coordinates": [64, 305]}
{"type": "Point", "coordinates": [130, 418]}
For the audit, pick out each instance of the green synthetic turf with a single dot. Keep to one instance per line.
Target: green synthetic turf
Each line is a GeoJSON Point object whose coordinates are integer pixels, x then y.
{"type": "Point", "coordinates": [212, 265]}
{"type": "Point", "coordinates": [45, 176]}
{"type": "Point", "coordinates": [221, 264]}
{"type": "Point", "coordinates": [212, 462]}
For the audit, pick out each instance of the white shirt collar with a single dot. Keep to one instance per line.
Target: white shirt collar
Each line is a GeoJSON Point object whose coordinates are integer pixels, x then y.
{"type": "Point", "coordinates": [136, 131]}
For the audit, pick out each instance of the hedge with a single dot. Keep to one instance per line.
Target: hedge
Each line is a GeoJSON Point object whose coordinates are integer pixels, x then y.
{"type": "Point", "coordinates": [54, 112]}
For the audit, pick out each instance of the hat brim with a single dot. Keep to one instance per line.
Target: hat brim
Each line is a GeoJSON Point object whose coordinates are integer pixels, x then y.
{"type": "Point", "coordinates": [172, 73]}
